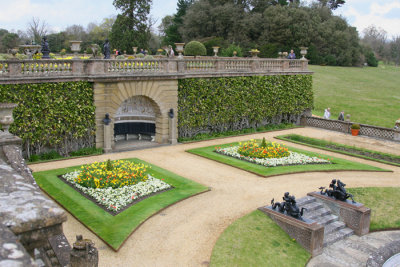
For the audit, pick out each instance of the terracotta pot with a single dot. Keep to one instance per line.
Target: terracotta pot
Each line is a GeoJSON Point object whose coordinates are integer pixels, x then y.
{"type": "Point", "coordinates": [354, 132]}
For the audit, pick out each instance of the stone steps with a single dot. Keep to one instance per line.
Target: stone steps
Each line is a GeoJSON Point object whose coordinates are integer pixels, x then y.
{"type": "Point", "coordinates": [335, 230]}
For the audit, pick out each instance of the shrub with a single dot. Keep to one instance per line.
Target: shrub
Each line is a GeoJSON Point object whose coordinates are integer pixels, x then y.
{"type": "Point", "coordinates": [21, 56]}
{"type": "Point", "coordinates": [195, 48]}
{"type": "Point", "coordinates": [148, 57]}
{"type": "Point", "coordinates": [89, 50]}
{"type": "Point", "coordinates": [63, 52]}
{"type": "Point", "coordinates": [86, 151]}
{"type": "Point", "coordinates": [270, 150]}
{"type": "Point", "coordinates": [355, 126]}
{"type": "Point", "coordinates": [228, 52]}
{"type": "Point", "coordinates": [371, 59]}
{"type": "Point", "coordinates": [120, 57]}
{"type": "Point", "coordinates": [140, 55]}
{"type": "Point", "coordinates": [113, 174]}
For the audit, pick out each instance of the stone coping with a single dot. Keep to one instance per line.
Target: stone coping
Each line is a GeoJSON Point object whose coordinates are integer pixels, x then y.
{"type": "Point", "coordinates": [379, 257]}
{"type": "Point", "coordinates": [12, 253]}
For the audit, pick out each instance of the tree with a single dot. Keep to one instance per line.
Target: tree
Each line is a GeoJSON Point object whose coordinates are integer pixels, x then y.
{"type": "Point", "coordinates": [131, 28]}
{"type": "Point", "coordinates": [9, 40]}
{"type": "Point", "coordinates": [171, 25]}
{"type": "Point", "coordinates": [395, 50]}
{"type": "Point", "coordinates": [37, 29]}
{"type": "Point", "coordinates": [376, 38]}
{"type": "Point", "coordinates": [332, 4]}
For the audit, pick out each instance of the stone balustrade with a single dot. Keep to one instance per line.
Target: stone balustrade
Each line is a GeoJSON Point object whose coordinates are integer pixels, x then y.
{"type": "Point", "coordinates": [12, 71]}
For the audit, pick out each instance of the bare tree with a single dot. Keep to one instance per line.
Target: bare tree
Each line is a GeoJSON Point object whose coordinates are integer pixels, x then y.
{"type": "Point", "coordinates": [395, 50]}
{"type": "Point", "coordinates": [37, 29]}
{"type": "Point", "coordinates": [376, 38]}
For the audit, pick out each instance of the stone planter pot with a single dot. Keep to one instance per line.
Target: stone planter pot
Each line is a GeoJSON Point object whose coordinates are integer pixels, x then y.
{"type": "Point", "coordinates": [354, 132]}
{"type": "Point", "coordinates": [180, 49]}
{"type": "Point", "coordinates": [6, 117]}
{"type": "Point", "coordinates": [75, 47]}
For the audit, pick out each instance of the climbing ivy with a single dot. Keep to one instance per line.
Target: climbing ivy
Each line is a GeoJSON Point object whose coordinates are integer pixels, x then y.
{"type": "Point", "coordinates": [52, 115]}
{"type": "Point", "coordinates": [234, 103]}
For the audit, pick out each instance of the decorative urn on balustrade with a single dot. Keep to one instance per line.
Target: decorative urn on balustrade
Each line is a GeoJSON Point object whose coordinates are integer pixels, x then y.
{"type": "Point", "coordinates": [6, 117]}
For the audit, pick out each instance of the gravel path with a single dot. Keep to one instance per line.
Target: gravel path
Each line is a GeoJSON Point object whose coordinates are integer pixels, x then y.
{"type": "Point", "coordinates": [184, 234]}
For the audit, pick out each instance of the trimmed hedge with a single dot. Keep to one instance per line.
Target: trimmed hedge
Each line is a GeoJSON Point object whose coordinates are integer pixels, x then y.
{"type": "Point", "coordinates": [52, 115]}
{"type": "Point", "coordinates": [234, 103]}
{"type": "Point", "coordinates": [195, 48]}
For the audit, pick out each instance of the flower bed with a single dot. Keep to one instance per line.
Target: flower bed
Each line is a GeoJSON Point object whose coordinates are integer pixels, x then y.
{"type": "Point", "coordinates": [114, 185]}
{"type": "Point", "coordinates": [294, 158]}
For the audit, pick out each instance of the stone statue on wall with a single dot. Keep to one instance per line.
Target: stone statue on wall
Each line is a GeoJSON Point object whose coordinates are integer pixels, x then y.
{"type": "Point", "coordinates": [338, 191]}
{"type": "Point", "coordinates": [45, 48]}
{"type": "Point", "coordinates": [106, 49]}
{"type": "Point", "coordinates": [288, 206]}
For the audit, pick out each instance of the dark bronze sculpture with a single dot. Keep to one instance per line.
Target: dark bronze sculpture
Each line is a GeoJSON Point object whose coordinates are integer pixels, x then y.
{"type": "Point", "coordinates": [338, 191]}
{"type": "Point", "coordinates": [45, 48]}
{"type": "Point", "coordinates": [106, 49]}
{"type": "Point", "coordinates": [289, 206]}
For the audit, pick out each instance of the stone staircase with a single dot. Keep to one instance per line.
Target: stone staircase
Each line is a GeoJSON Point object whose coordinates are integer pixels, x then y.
{"type": "Point", "coordinates": [335, 230]}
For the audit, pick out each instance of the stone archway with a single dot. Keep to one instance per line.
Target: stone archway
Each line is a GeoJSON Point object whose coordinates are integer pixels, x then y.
{"type": "Point", "coordinates": [162, 94]}
{"type": "Point", "coordinates": [136, 116]}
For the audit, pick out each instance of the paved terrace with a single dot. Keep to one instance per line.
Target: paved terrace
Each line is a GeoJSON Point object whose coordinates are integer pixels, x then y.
{"type": "Point", "coordinates": [185, 234]}
{"type": "Point", "coordinates": [27, 71]}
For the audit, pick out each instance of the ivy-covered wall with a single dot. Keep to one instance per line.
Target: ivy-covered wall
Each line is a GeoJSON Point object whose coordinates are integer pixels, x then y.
{"type": "Point", "coordinates": [52, 115]}
{"type": "Point", "coordinates": [234, 103]}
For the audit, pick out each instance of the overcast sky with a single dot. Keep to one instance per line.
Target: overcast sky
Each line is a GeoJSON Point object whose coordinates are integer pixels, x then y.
{"type": "Point", "coordinates": [58, 14]}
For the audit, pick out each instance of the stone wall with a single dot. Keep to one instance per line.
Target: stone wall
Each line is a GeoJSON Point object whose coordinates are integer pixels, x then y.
{"type": "Point", "coordinates": [27, 217]}
{"type": "Point", "coordinates": [108, 97]}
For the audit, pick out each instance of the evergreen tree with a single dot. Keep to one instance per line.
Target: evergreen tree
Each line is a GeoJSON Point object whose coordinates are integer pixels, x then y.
{"type": "Point", "coordinates": [172, 34]}
{"type": "Point", "coordinates": [131, 26]}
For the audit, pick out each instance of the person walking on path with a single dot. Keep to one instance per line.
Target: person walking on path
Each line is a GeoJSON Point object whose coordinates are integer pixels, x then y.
{"type": "Point", "coordinates": [341, 116]}
{"type": "Point", "coordinates": [327, 113]}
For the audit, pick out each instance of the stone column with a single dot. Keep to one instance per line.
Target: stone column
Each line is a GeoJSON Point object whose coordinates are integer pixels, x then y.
{"type": "Point", "coordinates": [107, 134]}
{"type": "Point", "coordinates": [172, 127]}
{"type": "Point", "coordinates": [84, 254]}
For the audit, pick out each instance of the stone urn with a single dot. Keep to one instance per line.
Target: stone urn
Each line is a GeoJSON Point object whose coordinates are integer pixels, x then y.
{"type": "Point", "coordinates": [179, 48]}
{"type": "Point", "coordinates": [6, 117]}
{"type": "Point", "coordinates": [134, 50]}
{"type": "Point", "coordinates": [215, 50]}
{"type": "Point", "coordinates": [254, 52]}
{"type": "Point", "coordinates": [75, 47]}
{"type": "Point", "coordinates": [303, 52]}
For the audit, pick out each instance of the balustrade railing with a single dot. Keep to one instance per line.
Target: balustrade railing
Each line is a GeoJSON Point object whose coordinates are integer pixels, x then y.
{"type": "Point", "coordinates": [102, 68]}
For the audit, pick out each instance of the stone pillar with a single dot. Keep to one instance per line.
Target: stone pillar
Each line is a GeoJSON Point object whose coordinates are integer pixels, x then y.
{"type": "Point", "coordinates": [172, 127]}
{"type": "Point", "coordinates": [107, 134]}
{"type": "Point", "coordinates": [396, 136]}
{"type": "Point", "coordinates": [84, 254]}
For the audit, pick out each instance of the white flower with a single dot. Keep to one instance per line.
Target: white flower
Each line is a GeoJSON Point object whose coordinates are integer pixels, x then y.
{"type": "Point", "coordinates": [116, 199]}
{"type": "Point", "coordinates": [293, 159]}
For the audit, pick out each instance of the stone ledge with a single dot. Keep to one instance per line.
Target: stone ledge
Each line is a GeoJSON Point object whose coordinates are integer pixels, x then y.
{"type": "Point", "coordinates": [12, 253]}
{"type": "Point", "coordinates": [309, 234]}
{"type": "Point", "coordinates": [355, 215]}
{"type": "Point", "coordinates": [379, 257]}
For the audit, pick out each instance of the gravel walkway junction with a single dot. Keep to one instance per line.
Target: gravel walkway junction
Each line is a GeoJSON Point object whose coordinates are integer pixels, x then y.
{"type": "Point", "coordinates": [184, 234]}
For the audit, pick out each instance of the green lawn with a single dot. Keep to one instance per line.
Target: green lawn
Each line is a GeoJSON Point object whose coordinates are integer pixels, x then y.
{"type": "Point", "coordinates": [384, 203]}
{"type": "Point", "coordinates": [343, 149]}
{"type": "Point", "coordinates": [370, 95]}
{"type": "Point", "coordinates": [114, 230]}
{"type": "Point", "coordinates": [255, 240]}
{"type": "Point", "coordinates": [339, 164]}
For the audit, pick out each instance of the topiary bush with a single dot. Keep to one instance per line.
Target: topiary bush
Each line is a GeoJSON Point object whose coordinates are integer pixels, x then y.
{"type": "Point", "coordinates": [195, 48]}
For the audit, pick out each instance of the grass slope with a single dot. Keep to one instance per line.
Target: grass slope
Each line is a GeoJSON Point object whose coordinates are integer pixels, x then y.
{"type": "Point", "coordinates": [340, 148]}
{"type": "Point", "coordinates": [114, 230]}
{"type": "Point", "coordinates": [256, 240]}
{"type": "Point", "coordinates": [384, 203]}
{"type": "Point", "coordinates": [339, 164]}
{"type": "Point", "coordinates": [369, 94]}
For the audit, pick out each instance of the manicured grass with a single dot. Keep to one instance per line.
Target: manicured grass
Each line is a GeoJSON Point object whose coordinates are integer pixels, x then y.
{"type": "Point", "coordinates": [256, 240]}
{"type": "Point", "coordinates": [384, 203]}
{"type": "Point", "coordinates": [343, 149]}
{"type": "Point", "coordinates": [262, 129]}
{"type": "Point", "coordinates": [114, 230]}
{"type": "Point", "coordinates": [339, 164]}
{"type": "Point", "coordinates": [369, 94]}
